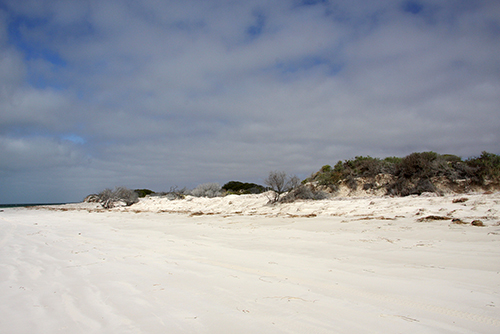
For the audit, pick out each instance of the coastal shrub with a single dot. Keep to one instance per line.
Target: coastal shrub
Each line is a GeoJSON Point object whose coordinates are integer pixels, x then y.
{"type": "Point", "coordinates": [393, 160]}
{"type": "Point", "coordinates": [486, 167]}
{"type": "Point", "coordinates": [339, 167]}
{"type": "Point", "coordinates": [423, 186]}
{"type": "Point", "coordinates": [413, 174]}
{"type": "Point", "coordinates": [92, 198]}
{"type": "Point", "coordinates": [109, 198]}
{"type": "Point", "coordinates": [207, 190]}
{"type": "Point", "coordinates": [326, 169]}
{"type": "Point", "coordinates": [417, 165]}
{"type": "Point", "coordinates": [451, 158]}
{"type": "Point", "coordinates": [360, 166]}
{"type": "Point", "coordinates": [175, 193]}
{"type": "Point", "coordinates": [280, 182]}
{"type": "Point", "coordinates": [143, 192]}
{"type": "Point", "coordinates": [351, 182]}
{"type": "Point", "coordinates": [400, 187]}
{"type": "Point", "coordinates": [366, 166]}
{"type": "Point", "coordinates": [303, 192]}
{"type": "Point", "coordinates": [329, 178]}
{"type": "Point", "coordinates": [405, 187]}
{"type": "Point", "coordinates": [237, 187]}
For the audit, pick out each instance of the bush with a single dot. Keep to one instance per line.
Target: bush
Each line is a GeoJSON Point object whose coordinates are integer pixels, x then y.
{"type": "Point", "coordinates": [424, 186]}
{"type": "Point", "coordinates": [143, 192]}
{"type": "Point", "coordinates": [451, 158]}
{"type": "Point", "coordinates": [175, 193]}
{"type": "Point", "coordinates": [366, 166]}
{"type": "Point", "coordinates": [329, 178]}
{"type": "Point", "coordinates": [413, 174]}
{"type": "Point", "coordinates": [349, 170]}
{"type": "Point", "coordinates": [238, 187]}
{"type": "Point", "coordinates": [486, 167]}
{"type": "Point", "coordinates": [109, 198]}
{"type": "Point", "coordinates": [326, 169]}
{"type": "Point", "coordinates": [417, 165]}
{"type": "Point", "coordinates": [393, 160]}
{"type": "Point", "coordinates": [280, 182]}
{"type": "Point", "coordinates": [400, 187]}
{"type": "Point", "coordinates": [303, 192]}
{"type": "Point", "coordinates": [207, 190]}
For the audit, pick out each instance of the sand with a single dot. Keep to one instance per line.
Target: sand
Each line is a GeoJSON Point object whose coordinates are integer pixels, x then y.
{"type": "Point", "coordinates": [237, 265]}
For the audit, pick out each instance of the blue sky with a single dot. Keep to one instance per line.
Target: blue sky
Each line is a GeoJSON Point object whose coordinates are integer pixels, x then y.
{"type": "Point", "coordinates": [154, 94]}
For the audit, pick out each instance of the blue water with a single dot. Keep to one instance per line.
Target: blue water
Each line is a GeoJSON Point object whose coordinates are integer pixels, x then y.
{"type": "Point", "coordinates": [27, 204]}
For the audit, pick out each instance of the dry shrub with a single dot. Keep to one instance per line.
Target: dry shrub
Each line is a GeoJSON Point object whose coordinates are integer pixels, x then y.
{"type": "Point", "coordinates": [304, 192]}
{"type": "Point", "coordinates": [207, 190]}
{"type": "Point", "coordinates": [110, 198]}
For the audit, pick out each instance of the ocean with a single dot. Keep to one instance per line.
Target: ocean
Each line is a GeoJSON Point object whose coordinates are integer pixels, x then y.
{"type": "Point", "coordinates": [29, 204]}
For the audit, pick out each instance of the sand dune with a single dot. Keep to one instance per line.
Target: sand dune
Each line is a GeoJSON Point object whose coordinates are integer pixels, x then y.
{"type": "Point", "coordinates": [236, 265]}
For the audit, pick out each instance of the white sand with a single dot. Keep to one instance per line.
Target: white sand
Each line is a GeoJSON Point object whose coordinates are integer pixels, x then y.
{"type": "Point", "coordinates": [354, 266]}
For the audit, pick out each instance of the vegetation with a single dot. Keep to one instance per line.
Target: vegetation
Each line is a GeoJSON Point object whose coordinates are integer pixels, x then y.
{"type": "Point", "coordinates": [237, 187]}
{"type": "Point", "coordinates": [175, 193]}
{"type": "Point", "coordinates": [279, 182]}
{"type": "Point", "coordinates": [207, 190]}
{"type": "Point", "coordinates": [143, 192]}
{"type": "Point", "coordinates": [110, 198]}
{"type": "Point", "coordinates": [414, 174]}
{"type": "Point", "coordinates": [486, 167]}
{"type": "Point", "coordinates": [304, 192]}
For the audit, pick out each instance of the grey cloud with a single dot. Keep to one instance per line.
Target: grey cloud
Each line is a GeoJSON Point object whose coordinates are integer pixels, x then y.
{"type": "Point", "coordinates": [179, 93]}
{"type": "Point", "coordinates": [38, 153]}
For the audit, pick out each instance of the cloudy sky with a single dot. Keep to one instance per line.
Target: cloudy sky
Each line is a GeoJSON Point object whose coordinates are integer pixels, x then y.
{"type": "Point", "coordinates": [154, 94]}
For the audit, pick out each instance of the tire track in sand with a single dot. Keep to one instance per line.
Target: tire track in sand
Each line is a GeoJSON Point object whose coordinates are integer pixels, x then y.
{"type": "Point", "coordinates": [474, 317]}
{"type": "Point", "coordinates": [7, 229]}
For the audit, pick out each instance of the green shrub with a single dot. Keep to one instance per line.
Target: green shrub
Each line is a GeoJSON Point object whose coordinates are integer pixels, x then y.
{"type": "Point", "coordinates": [339, 167]}
{"type": "Point", "coordinates": [237, 187]}
{"type": "Point", "coordinates": [143, 192]}
{"type": "Point", "coordinates": [413, 174]}
{"type": "Point", "coordinates": [451, 158]}
{"type": "Point", "coordinates": [328, 179]}
{"type": "Point", "coordinates": [326, 169]}
{"type": "Point", "coordinates": [416, 165]}
{"type": "Point", "coordinates": [486, 166]}
{"type": "Point", "coordinates": [393, 160]}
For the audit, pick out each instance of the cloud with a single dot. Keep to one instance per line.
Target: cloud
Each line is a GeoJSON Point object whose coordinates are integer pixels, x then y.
{"type": "Point", "coordinates": [38, 153]}
{"type": "Point", "coordinates": [160, 93]}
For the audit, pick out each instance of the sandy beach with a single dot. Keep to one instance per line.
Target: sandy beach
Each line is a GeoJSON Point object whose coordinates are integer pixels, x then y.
{"type": "Point", "coordinates": [237, 265]}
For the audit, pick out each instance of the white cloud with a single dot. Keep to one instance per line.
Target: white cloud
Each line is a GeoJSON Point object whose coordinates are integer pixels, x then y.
{"type": "Point", "coordinates": [170, 92]}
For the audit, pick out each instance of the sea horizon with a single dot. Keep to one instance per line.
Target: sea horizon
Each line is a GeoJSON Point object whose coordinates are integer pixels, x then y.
{"type": "Point", "coordinates": [20, 205]}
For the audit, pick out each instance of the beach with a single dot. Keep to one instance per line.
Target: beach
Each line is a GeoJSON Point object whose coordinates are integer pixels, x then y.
{"type": "Point", "coordinates": [236, 264]}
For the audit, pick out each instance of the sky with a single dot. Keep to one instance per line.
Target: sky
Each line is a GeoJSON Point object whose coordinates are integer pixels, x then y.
{"type": "Point", "coordinates": [155, 94]}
